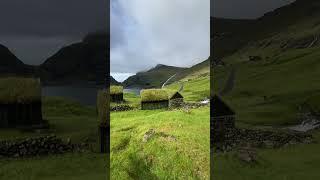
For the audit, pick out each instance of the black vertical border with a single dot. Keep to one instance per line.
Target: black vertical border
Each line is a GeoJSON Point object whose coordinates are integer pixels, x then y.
{"type": "Point", "coordinates": [107, 85]}
{"type": "Point", "coordinates": [211, 93]}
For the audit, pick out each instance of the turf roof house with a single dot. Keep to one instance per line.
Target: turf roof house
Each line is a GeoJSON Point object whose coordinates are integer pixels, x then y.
{"type": "Point", "coordinates": [154, 99]}
{"type": "Point", "coordinates": [20, 102]}
{"type": "Point", "coordinates": [116, 93]}
{"type": "Point", "coordinates": [222, 118]}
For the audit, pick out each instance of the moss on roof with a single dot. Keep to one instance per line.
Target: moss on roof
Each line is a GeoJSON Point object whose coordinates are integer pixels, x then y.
{"type": "Point", "coordinates": [19, 90]}
{"type": "Point", "coordinates": [116, 89]}
{"type": "Point", "coordinates": [102, 105]}
{"type": "Point", "coordinates": [153, 95]}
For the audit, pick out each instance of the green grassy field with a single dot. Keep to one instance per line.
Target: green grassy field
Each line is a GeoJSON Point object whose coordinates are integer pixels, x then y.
{"type": "Point", "coordinates": [180, 146]}
{"type": "Point", "coordinates": [68, 119]}
{"type": "Point", "coordinates": [290, 163]}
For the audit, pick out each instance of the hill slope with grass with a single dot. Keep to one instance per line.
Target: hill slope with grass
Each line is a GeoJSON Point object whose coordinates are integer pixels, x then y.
{"type": "Point", "coordinates": [270, 88]}
{"type": "Point", "coordinates": [153, 78]}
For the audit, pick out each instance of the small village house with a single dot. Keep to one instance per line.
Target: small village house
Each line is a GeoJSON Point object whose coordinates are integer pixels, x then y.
{"type": "Point", "coordinates": [116, 93]}
{"type": "Point", "coordinates": [20, 102]}
{"type": "Point", "coordinates": [222, 118]}
{"type": "Point", "coordinates": [154, 99]}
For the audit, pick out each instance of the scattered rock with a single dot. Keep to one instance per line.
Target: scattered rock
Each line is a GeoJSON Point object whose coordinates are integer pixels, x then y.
{"type": "Point", "coordinates": [148, 135]}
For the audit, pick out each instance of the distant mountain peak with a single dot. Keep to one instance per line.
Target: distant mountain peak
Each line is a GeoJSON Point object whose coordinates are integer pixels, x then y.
{"type": "Point", "coordinates": [159, 65]}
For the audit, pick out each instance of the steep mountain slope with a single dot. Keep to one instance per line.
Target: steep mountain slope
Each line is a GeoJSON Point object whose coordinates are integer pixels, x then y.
{"type": "Point", "coordinates": [9, 63]}
{"type": "Point", "coordinates": [193, 83]}
{"type": "Point", "coordinates": [152, 78]}
{"type": "Point", "coordinates": [276, 70]}
{"type": "Point", "coordinates": [83, 61]}
{"type": "Point", "coordinates": [113, 81]}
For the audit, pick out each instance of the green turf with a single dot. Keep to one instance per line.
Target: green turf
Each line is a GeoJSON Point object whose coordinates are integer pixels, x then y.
{"type": "Point", "coordinates": [19, 90]}
{"type": "Point", "coordinates": [161, 157]}
{"type": "Point", "coordinates": [153, 95]}
{"type": "Point", "coordinates": [116, 89]}
{"type": "Point", "coordinates": [187, 157]}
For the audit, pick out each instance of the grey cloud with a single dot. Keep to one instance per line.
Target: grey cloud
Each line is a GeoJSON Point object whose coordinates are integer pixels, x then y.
{"type": "Point", "coordinates": [172, 32]}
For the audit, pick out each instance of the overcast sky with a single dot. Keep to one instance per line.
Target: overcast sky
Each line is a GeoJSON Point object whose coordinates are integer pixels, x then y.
{"type": "Point", "coordinates": [145, 33]}
{"type": "Point", "coordinates": [35, 29]}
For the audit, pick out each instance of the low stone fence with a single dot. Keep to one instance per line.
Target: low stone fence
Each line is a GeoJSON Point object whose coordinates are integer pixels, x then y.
{"type": "Point", "coordinates": [121, 107]}
{"type": "Point", "coordinates": [260, 139]}
{"type": "Point", "coordinates": [37, 146]}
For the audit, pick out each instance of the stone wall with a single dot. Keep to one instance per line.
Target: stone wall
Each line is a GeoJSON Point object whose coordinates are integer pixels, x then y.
{"type": "Point", "coordinates": [36, 146]}
{"type": "Point", "coordinates": [176, 103]}
{"type": "Point", "coordinates": [260, 139]}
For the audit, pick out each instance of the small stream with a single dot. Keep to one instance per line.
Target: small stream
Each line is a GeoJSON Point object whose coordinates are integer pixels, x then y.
{"type": "Point", "coordinates": [306, 126]}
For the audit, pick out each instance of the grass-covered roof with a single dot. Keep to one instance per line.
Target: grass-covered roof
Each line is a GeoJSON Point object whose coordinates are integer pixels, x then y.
{"type": "Point", "coordinates": [116, 90]}
{"type": "Point", "coordinates": [153, 95]}
{"type": "Point", "coordinates": [19, 90]}
{"type": "Point", "coordinates": [102, 105]}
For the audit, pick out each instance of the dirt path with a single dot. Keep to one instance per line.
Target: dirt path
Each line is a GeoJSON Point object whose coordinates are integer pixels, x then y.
{"type": "Point", "coordinates": [165, 83]}
{"type": "Point", "coordinates": [230, 82]}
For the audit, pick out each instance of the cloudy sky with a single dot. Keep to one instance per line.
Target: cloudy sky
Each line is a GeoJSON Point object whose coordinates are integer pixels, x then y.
{"type": "Point", "coordinates": [172, 32]}
{"type": "Point", "coordinates": [145, 33]}
{"type": "Point", "coordinates": [35, 29]}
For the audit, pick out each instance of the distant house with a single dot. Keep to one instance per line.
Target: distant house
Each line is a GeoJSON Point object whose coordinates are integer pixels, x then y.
{"type": "Point", "coordinates": [222, 118]}
{"type": "Point", "coordinates": [175, 99]}
{"type": "Point", "coordinates": [20, 102]}
{"type": "Point", "coordinates": [154, 99]}
{"type": "Point", "coordinates": [116, 93]}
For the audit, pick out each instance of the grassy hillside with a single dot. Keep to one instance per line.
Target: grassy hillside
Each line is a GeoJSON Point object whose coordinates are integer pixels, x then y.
{"type": "Point", "coordinates": [180, 147]}
{"type": "Point", "coordinates": [153, 78]}
{"type": "Point", "coordinates": [195, 82]}
{"type": "Point", "coordinates": [269, 91]}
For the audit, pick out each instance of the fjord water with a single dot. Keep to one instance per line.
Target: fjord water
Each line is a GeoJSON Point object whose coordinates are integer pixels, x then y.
{"type": "Point", "coordinates": [86, 95]}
